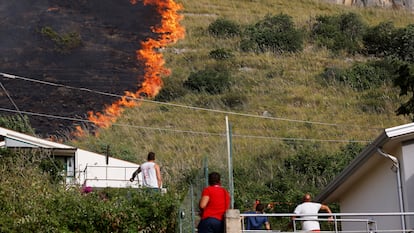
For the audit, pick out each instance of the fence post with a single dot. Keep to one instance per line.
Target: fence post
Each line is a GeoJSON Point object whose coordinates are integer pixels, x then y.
{"type": "Point", "coordinates": [232, 221]}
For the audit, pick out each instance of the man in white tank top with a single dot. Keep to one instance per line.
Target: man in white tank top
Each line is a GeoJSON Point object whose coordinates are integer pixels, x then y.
{"type": "Point", "coordinates": [308, 207]}
{"type": "Point", "coordinates": [150, 172]}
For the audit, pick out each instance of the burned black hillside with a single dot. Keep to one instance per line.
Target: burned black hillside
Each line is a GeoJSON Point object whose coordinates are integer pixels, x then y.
{"type": "Point", "coordinates": [83, 44]}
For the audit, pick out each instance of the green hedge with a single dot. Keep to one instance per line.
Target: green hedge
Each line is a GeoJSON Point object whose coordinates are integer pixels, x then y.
{"type": "Point", "coordinates": [30, 203]}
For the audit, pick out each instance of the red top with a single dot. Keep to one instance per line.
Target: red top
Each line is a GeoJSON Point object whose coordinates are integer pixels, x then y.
{"type": "Point", "coordinates": [218, 203]}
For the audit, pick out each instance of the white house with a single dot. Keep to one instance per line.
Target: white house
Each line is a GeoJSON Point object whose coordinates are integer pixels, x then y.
{"type": "Point", "coordinates": [80, 166]}
{"type": "Point", "coordinates": [379, 180]}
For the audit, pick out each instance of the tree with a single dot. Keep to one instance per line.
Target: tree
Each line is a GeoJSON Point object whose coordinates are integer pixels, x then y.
{"type": "Point", "coordinates": [405, 80]}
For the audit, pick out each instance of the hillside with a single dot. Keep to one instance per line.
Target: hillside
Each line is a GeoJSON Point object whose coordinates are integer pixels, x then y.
{"type": "Point", "coordinates": [298, 110]}
{"type": "Point", "coordinates": [276, 105]}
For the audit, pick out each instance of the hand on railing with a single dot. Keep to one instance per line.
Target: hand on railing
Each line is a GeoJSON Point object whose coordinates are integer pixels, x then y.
{"type": "Point", "coordinates": [330, 220]}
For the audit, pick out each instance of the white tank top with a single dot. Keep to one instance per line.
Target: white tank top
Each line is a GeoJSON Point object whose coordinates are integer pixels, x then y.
{"type": "Point", "coordinates": [149, 176]}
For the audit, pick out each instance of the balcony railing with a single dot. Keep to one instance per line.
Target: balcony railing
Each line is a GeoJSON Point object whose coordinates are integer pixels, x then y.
{"type": "Point", "coordinates": [110, 176]}
{"type": "Point", "coordinates": [388, 222]}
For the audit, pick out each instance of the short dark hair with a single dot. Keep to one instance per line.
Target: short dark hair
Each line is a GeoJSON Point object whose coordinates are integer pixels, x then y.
{"type": "Point", "coordinates": [260, 207]}
{"type": "Point", "coordinates": [213, 178]}
{"type": "Point", "coordinates": [151, 156]}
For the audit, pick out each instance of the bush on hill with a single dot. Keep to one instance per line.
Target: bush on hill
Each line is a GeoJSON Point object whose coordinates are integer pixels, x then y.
{"type": "Point", "coordinates": [209, 80]}
{"type": "Point", "coordinates": [339, 32]}
{"type": "Point", "coordinates": [224, 28]}
{"type": "Point", "coordinates": [378, 40]}
{"type": "Point", "coordinates": [361, 76]}
{"type": "Point", "coordinates": [273, 33]}
{"type": "Point", "coordinates": [404, 43]}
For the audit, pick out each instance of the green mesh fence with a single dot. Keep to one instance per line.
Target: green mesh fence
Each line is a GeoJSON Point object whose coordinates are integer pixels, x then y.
{"type": "Point", "coordinates": [189, 211]}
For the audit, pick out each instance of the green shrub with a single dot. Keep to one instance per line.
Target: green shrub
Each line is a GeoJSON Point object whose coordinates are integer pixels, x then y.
{"type": "Point", "coordinates": [404, 81]}
{"type": "Point", "coordinates": [378, 40]}
{"type": "Point", "coordinates": [29, 202]}
{"type": "Point", "coordinates": [224, 28]}
{"type": "Point", "coordinates": [64, 43]}
{"type": "Point", "coordinates": [221, 54]}
{"type": "Point", "coordinates": [273, 33]}
{"type": "Point", "coordinates": [170, 91]}
{"type": "Point", "coordinates": [361, 76]}
{"type": "Point", "coordinates": [403, 43]}
{"type": "Point", "coordinates": [343, 32]}
{"type": "Point", "coordinates": [17, 123]}
{"type": "Point", "coordinates": [209, 80]}
{"type": "Point", "coordinates": [54, 168]}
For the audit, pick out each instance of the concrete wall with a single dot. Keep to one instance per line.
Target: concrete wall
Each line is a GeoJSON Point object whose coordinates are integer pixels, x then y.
{"type": "Point", "coordinates": [375, 191]}
{"type": "Point", "coordinates": [93, 168]}
{"type": "Point", "coordinates": [232, 221]}
{"type": "Point", "coordinates": [407, 172]}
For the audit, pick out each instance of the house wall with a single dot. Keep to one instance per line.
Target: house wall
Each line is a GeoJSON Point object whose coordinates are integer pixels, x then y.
{"type": "Point", "coordinates": [407, 173]}
{"type": "Point", "coordinates": [375, 191]}
{"type": "Point", "coordinates": [92, 168]}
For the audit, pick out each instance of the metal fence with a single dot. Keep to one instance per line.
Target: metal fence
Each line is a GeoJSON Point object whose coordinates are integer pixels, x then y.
{"type": "Point", "coordinates": [109, 176]}
{"type": "Point", "coordinates": [344, 222]}
{"type": "Point", "coordinates": [189, 211]}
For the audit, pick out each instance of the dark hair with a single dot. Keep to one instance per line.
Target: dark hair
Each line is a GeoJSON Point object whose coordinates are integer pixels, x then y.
{"type": "Point", "coordinates": [259, 207]}
{"type": "Point", "coordinates": [213, 178]}
{"type": "Point", "coordinates": [151, 156]}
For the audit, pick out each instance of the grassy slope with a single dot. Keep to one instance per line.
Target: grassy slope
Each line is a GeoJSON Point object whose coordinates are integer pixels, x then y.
{"type": "Point", "coordinates": [292, 94]}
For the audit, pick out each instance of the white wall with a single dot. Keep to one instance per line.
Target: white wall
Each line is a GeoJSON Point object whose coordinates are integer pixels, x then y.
{"type": "Point", "coordinates": [93, 168]}
{"type": "Point", "coordinates": [375, 191]}
{"type": "Point", "coordinates": [407, 171]}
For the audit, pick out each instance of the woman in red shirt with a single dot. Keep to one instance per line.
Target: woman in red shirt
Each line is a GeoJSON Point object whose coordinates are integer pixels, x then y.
{"type": "Point", "coordinates": [214, 202]}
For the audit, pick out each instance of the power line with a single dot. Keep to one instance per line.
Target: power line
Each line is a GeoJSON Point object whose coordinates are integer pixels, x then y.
{"type": "Point", "coordinates": [11, 76]}
{"type": "Point", "coordinates": [186, 131]}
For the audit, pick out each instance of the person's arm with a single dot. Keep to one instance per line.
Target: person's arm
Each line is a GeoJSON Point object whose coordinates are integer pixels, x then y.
{"type": "Point", "coordinates": [267, 225]}
{"type": "Point", "coordinates": [158, 173]}
{"type": "Point", "coordinates": [326, 209]}
{"type": "Point", "coordinates": [135, 174]}
{"type": "Point", "coordinates": [203, 202]}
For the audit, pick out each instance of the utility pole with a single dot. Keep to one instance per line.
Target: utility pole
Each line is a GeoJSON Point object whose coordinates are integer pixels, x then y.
{"type": "Point", "coordinates": [230, 162]}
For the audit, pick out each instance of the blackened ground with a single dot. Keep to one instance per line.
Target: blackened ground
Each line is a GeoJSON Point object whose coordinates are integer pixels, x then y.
{"type": "Point", "coordinates": [110, 32]}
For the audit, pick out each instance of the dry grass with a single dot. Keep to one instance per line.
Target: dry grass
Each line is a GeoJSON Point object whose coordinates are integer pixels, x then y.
{"type": "Point", "coordinates": [301, 108]}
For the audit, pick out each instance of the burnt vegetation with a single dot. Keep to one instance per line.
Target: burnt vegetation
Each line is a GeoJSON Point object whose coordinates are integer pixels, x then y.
{"type": "Point", "coordinates": [81, 44]}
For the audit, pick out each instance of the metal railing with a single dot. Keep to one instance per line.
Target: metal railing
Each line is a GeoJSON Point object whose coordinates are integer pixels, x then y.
{"type": "Point", "coordinates": [105, 175]}
{"type": "Point", "coordinates": [388, 222]}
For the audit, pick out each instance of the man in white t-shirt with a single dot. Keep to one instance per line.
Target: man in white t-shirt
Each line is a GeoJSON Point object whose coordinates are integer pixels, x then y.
{"type": "Point", "coordinates": [309, 207]}
{"type": "Point", "coordinates": [150, 172]}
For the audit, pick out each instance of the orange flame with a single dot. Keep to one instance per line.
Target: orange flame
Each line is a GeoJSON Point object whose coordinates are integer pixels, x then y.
{"type": "Point", "coordinates": [169, 31]}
